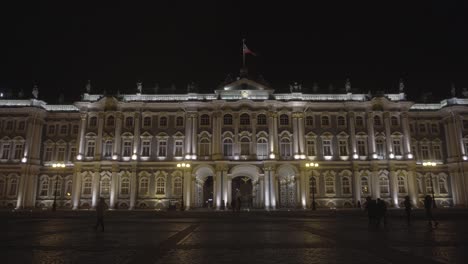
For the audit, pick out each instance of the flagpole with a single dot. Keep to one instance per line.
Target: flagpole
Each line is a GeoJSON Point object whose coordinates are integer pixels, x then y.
{"type": "Point", "coordinates": [243, 53]}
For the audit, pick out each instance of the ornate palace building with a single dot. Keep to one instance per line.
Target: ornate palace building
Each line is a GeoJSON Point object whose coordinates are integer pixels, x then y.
{"type": "Point", "coordinates": [244, 140]}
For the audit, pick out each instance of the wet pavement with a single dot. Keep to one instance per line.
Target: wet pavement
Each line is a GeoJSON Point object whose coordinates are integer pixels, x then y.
{"type": "Point", "coordinates": [221, 237]}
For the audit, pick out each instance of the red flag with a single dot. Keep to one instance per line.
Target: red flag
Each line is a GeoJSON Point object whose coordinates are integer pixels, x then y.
{"type": "Point", "coordinates": [246, 50]}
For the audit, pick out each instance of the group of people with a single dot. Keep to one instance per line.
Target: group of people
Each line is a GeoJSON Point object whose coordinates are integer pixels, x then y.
{"type": "Point", "coordinates": [377, 209]}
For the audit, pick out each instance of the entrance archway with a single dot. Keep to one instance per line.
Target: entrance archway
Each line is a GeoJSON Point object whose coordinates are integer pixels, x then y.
{"type": "Point", "coordinates": [241, 188]}
{"type": "Point", "coordinates": [208, 192]}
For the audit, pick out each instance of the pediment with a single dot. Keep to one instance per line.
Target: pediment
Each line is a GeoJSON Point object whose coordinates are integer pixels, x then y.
{"type": "Point", "coordinates": [245, 84]}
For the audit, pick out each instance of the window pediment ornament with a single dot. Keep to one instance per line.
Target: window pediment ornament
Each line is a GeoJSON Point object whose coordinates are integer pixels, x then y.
{"type": "Point", "coordinates": [146, 135]}
{"type": "Point", "coordinates": [178, 135]}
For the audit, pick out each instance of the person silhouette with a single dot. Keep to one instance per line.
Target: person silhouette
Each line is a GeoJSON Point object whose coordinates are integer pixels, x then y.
{"type": "Point", "coordinates": [100, 208]}
{"type": "Point", "coordinates": [428, 203]}
{"type": "Point", "coordinates": [408, 206]}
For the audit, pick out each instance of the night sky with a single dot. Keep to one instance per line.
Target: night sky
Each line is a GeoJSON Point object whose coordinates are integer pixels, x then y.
{"type": "Point", "coordinates": [60, 46]}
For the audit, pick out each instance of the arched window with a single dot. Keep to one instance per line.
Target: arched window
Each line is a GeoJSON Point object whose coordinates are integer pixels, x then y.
{"type": "Point", "coordinates": [325, 121]}
{"type": "Point", "coordinates": [365, 185]}
{"type": "Point", "coordinates": [284, 120]}
{"type": "Point", "coordinates": [93, 122]}
{"type": "Point", "coordinates": [245, 119]}
{"type": "Point", "coordinates": [129, 121]}
{"type": "Point", "coordinates": [227, 119]}
{"type": "Point", "coordinates": [87, 186]}
{"type": "Point", "coordinates": [227, 147]}
{"type": "Point", "coordinates": [309, 121]}
{"type": "Point", "coordinates": [428, 185]}
{"type": "Point", "coordinates": [179, 121]}
{"type": "Point", "coordinates": [44, 191]}
{"type": "Point", "coordinates": [329, 185]}
{"type": "Point", "coordinates": [245, 146]}
{"type": "Point", "coordinates": [105, 186]}
{"type": "Point", "coordinates": [443, 186]}
{"type": "Point", "coordinates": [262, 148]}
{"type": "Point", "coordinates": [163, 121]}
{"type": "Point", "coordinates": [313, 186]}
{"type": "Point", "coordinates": [359, 121]}
{"type": "Point", "coordinates": [394, 121]}
{"type": "Point", "coordinates": [160, 186]}
{"type": "Point", "coordinates": [143, 190]}
{"type": "Point", "coordinates": [383, 183]}
{"type": "Point", "coordinates": [125, 186]}
{"type": "Point", "coordinates": [341, 121]}
{"type": "Point", "coordinates": [68, 189]}
{"type": "Point", "coordinates": [147, 121]}
{"type": "Point", "coordinates": [2, 187]}
{"type": "Point", "coordinates": [108, 148]}
{"type": "Point", "coordinates": [401, 185]}
{"type": "Point", "coordinates": [58, 191]}
{"type": "Point", "coordinates": [346, 185]}
{"type": "Point", "coordinates": [205, 120]}
{"type": "Point", "coordinates": [261, 119]}
{"type": "Point", "coordinates": [285, 148]}
{"type": "Point", "coordinates": [204, 147]}
{"type": "Point", "coordinates": [377, 121]}
{"type": "Point", "coordinates": [380, 147]}
{"type": "Point", "coordinates": [63, 129]}
{"type": "Point", "coordinates": [110, 121]}
{"type": "Point", "coordinates": [178, 186]}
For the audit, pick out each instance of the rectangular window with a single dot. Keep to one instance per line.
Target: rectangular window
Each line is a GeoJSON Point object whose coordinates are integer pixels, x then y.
{"type": "Point", "coordinates": [75, 129]}
{"type": "Point", "coordinates": [361, 147]}
{"type": "Point", "coordinates": [63, 130]}
{"type": "Point", "coordinates": [425, 152]}
{"type": "Point", "coordinates": [437, 152]}
{"type": "Point", "coordinates": [245, 148]}
{"type": "Point", "coordinates": [434, 128]}
{"type": "Point", "coordinates": [327, 149]}
{"type": "Point", "coordinates": [61, 154]}
{"type": "Point", "coordinates": [51, 130]}
{"type": "Point", "coordinates": [48, 154]}
{"type": "Point", "coordinates": [162, 149]}
{"type": "Point", "coordinates": [127, 149]}
{"type": "Point", "coordinates": [311, 147]}
{"type": "Point", "coordinates": [380, 148]}
{"type": "Point", "coordinates": [108, 146]}
{"type": "Point", "coordinates": [9, 125]}
{"type": "Point", "coordinates": [343, 147]}
{"type": "Point", "coordinates": [18, 151]}
{"type": "Point", "coordinates": [262, 149]}
{"type": "Point", "coordinates": [72, 153]}
{"type": "Point", "coordinates": [397, 146]}
{"type": "Point", "coordinates": [178, 148]}
{"type": "Point", "coordinates": [21, 126]}
{"type": "Point", "coordinates": [90, 150]}
{"type": "Point", "coordinates": [145, 148]}
{"type": "Point", "coordinates": [6, 151]}
{"type": "Point", "coordinates": [422, 128]}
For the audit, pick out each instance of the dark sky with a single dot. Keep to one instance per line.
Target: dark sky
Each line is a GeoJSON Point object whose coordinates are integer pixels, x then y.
{"type": "Point", "coordinates": [60, 46]}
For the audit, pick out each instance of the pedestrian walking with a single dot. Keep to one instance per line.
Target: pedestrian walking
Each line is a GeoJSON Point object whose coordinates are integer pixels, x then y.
{"type": "Point", "coordinates": [100, 208]}
{"type": "Point", "coordinates": [428, 202]}
{"type": "Point", "coordinates": [408, 208]}
{"type": "Point", "coordinates": [370, 207]}
{"type": "Point", "coordinates": [381, 212]}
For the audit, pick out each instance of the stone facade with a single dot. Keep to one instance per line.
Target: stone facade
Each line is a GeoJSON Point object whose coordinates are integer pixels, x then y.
{"type": "Point", "coordinates": [242, 141]}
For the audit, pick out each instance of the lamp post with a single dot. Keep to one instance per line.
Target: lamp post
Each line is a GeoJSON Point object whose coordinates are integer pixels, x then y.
{"type": "Point", "coordinates": [185, 167]}
{"type": "Point", "coordinates": [58, 166]}
{"type": "Point", "coordinates": [311, 165]}
{"type": "Point", "coordinates": [431, 164]}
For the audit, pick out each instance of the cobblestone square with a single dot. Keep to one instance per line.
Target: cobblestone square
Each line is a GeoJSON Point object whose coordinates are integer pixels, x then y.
{"type": "Point", "coordinates": [324, 236]}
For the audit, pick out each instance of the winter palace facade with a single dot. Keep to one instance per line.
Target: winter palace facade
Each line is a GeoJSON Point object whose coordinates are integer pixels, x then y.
{"type": "Point", "coordinates": [158, 151]}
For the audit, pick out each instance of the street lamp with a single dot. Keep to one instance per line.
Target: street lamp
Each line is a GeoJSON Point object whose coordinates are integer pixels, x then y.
{"type": "Point", "coordinates": [431, 164]}
{"type": "Point", "coordinates": [311, 165]}
{"type": "Point", "coordinates": [185, 167]}
{"type": "Point", "coordinates": [57, 166]}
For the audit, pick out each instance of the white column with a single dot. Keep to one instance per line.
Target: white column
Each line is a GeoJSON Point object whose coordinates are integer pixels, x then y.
{"type": "Point", "coordinates": [406, 133]}
{"type": "Point", "coordinates": [394, 188]}
{"type": "Point", "coordinates": [136, 134]}
{"type": "Point", "coordinates": [217, 189]}
{"type": "Point", "coordinates": [261, 200]}
{"type": "Point", "coordinates": [82, 134]}
{"type": "Point", "coordinates": [113, 188]}
{"type": "Point", "coordinates": [295, 134]}
{"type": "Point", "coordinates": [194, 134]}
{"type": "Point", "coordinates": [273, 187]}
{"type": "Point", "coordinates": [267, 188]}
{"type": "Point", "coordinates": [216, 137]}
{"type": "Point", "coordinates": [98, 155]}
{"type": "Point", "coordinates": [301, 134]}
{"type": "Point", "coordinates": [357, 185]}
{"type": "Point", "coordinates": [118, 131]}
{"type": "Point", "coordinates": [388, 133]}
{"type": "Point", "coordinates": [303, 192]}
{"type": "Point", "coordinates": [271, 134]}
{"type": "Point", "coordinates": [188, 135]}
{"type": "Point", "coordinates": [275, 134]}
{"type": "Point", "coordinates": [253, 146]}
{"type": "Point", "coordinates": [375, 183]}
{"type": "Point", "coordinates": [370, 129]}
{"type": "Point", "coordinates": [96, 183]}
{"type": "Point", "coordinates": [229, 189]}
{"type": "Point", "coordinates": [187, 188]}
{"type": "Point", "coordinates": [352, 133]}
{"type": "Point", "coordinates": [133, 189]}
{"type": "Point", "coordinates": [458, 126]}
{"type": "Point", "coordinates": [412, 187]}
{"type": "Point", "coordinates": [76, 189]}
{"type": "Point", "coordinates": [236, 146]}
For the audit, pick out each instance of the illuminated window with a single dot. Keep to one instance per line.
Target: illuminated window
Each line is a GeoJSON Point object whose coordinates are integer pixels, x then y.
{"type": "Point", "coordinates": [384, 187]}
{"type": "Point", "coordinates": [105, 186]}
{"type": "Point", "coordinates": [365, 185]}
{"type": "Point", "coordinates": [143, 190]}
{"type": "Point", "coordinates": [160, 186]}
{"type": "Point", "coordinates": [401, 185]}
{"type": "Point", "coordinates": [87, 186]}
{"type": "Point", "coordinates": [329, 185]}
{"type": "Point", "coordinates": [262, 148]}
{"type": "Point", "coordinates": [125, 186]}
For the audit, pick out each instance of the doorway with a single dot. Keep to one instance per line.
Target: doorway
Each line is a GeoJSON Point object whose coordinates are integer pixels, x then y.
{"type": "Point", "coordinates": [208, 192]}
{"type": "Point", "coordinates": [241, 187]}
